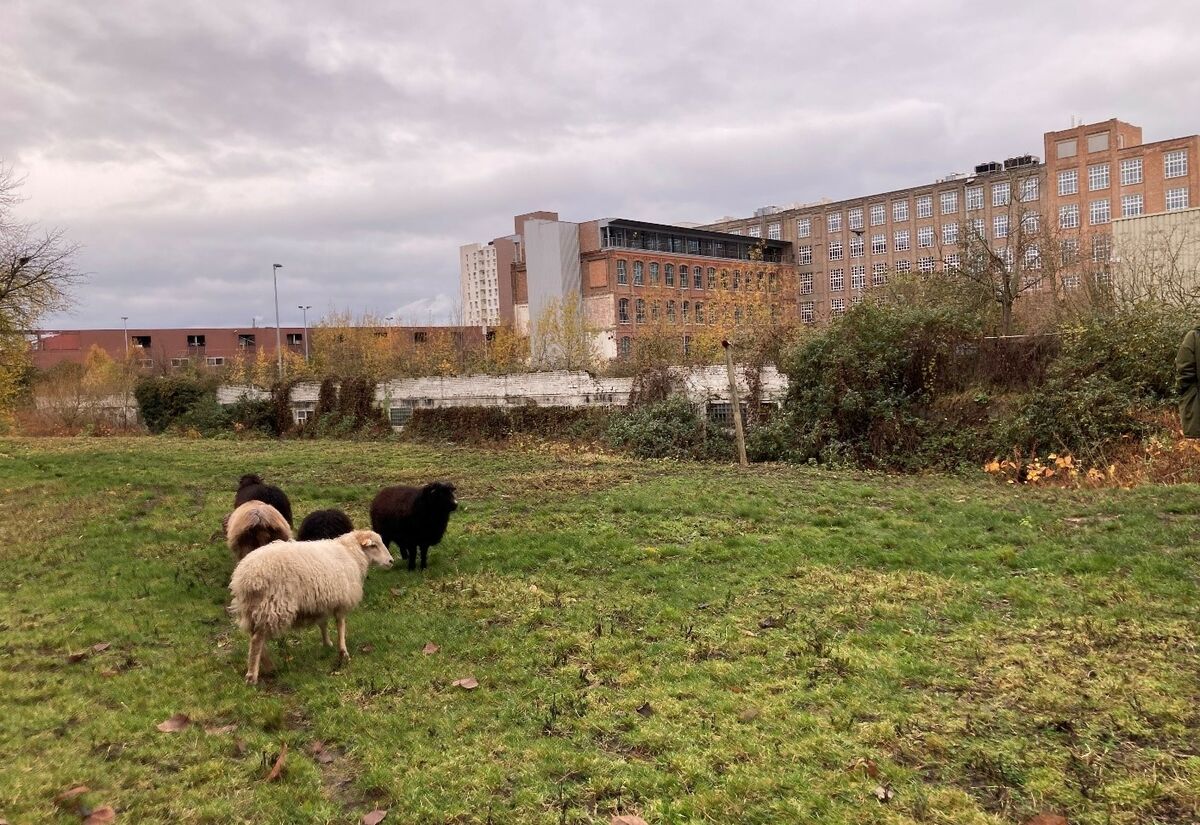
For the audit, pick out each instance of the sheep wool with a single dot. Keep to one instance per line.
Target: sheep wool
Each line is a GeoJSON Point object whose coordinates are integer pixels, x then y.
{"type": "Point", "coordinates": [253, 525]}
{"type": "Point", "coordinates": [291, 583]}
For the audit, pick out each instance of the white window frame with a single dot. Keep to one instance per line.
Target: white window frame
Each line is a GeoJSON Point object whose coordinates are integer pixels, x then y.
{"type": "Point", "coordinates": [949, 233]}
{"type": "Point", "coordinates": [833, 222]}
{"type": "Point", "coordinates": [1175, 163]}
{"type": "Point", "coordinates": [878, 214]}
{"type": "Point", "coordinates": [837, 307]}
{"type": "Point", "coordinates": [1099, 212]}
{"type": "Point", "coordinates": [903, 266]}
{"type": "Point", "coordinates": [1001, 193]}
{"type": "Point", "coordinates": [974, 198]}
{"type": "Point", "coordinates": [806, 283]}
{"type": "Point", "coordinates": [1132, 205]}
{"type": "Point", "coordinates": [754, 231]}
{"type": "Point", "coordinates": [774, 231]}
{"type": "Point", "coordinates": [878, 274]}
{"type": "Point", "coordinates": [1131, 171]}
{"type": "Point", "coordinates": [1068, 216]}
{"type": "Point", "coordinates": [949, 202]}
{"type": "Point", "coordinates": [1099, 177]}
{"type": "Point", "coordinates": [854, 218]}
{"type": "Point", "coordinates": [1030, 189]}
{"type": "Point", "coordinates": [803, 227]}
{"type": "Point", "coordinates": [924, 237]}
{"type": "Point", "coordinates": [858, 277]}
{"type": "Point", "coordinates": [804, 254]}
{"type": "Point", "coordinates": [1177, 198]}
{"type": "Point", "coordinates": [857, 246]}
{"type": "Point", "coordinates": [899, 211]}
{"type": "Point", "coordinates": [999, 226]}
{"type": "Point", "coordinates": [901, 240]}
{"type": "Point", "coordinates": [879, 244]}
{"type": "Point", "coordinates": [925, 206]}
{"type": "Point", "coordinates": [835, 251]}
{"type": "Point", "coordinates": [808, 314]}
{"type": "Point", "coordinates": [837, 280]}
{"type": "Point", "coordinates": [1068, 182]}
{"type": "Point", "coordinates": [925, 265]}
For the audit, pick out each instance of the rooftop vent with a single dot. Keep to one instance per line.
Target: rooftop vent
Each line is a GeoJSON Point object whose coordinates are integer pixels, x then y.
{"type": "Point", "coordinates": [766, 210]}
{"type": "Point", "coordinates": [1020, 160]}
{"type": "Point", "coordinates": [990, 166]}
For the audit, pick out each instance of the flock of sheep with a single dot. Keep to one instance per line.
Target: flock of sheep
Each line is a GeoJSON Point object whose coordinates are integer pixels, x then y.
{"type": "Point", "coordinates": [280, 582]}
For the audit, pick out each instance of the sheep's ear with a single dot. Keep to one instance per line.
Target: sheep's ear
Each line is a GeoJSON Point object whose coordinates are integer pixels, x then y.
{"type": "Point", "coordinates": [365, 542]}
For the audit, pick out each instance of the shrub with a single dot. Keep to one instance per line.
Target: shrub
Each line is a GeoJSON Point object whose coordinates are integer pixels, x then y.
{"type": "Point", "coordinates": [205, 417]}
{"type": "Point", "coordinates": [484, 424]}
{"type": "Point", "coordinates": [163, 399]}
{"type": "Point", "coordinates": [673, 428]}
{"type": "Point", "coordinates": [253, 415]}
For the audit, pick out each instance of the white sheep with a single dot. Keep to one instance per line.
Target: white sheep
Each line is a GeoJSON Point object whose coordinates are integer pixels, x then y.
{"type": "Point", "coordinates": [291, 583]}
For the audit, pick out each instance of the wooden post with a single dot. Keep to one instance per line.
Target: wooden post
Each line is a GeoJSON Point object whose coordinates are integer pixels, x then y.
{"type": "Point", "coordinates": [737, 405]}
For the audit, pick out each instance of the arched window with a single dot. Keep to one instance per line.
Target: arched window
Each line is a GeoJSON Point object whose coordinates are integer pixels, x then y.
{"type": "Point", "coordinates": [624, 346]}
{"type": "Point", "coordinates": [639, 310]}
{"type": "Point", "coordinates": [638, 278]}
{"type": "Point", "coordinates": [669, 275]}
{"type": "Point", "coordinates": [684, 277]}
{"type": "Point", "coordinates": [623, 310]}
{"type": "Point", "coordinates": [683, 312]}
{"type": "Point", "coordinates": [671, 312]}
{"type": "Point", "coordinates": [699, 312]}
{"type": "Point", "coordinates": [622, 273]}
{"type": "Point", "coordinates": [698, 279]}
{"type": "Point", "coordinates": [712, 277]}
{"type": "Point", "coordinates": [653, 274]}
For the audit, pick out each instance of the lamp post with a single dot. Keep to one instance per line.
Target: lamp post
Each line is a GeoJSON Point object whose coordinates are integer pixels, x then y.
{"type": "Point", "coordinates": [278, 338]}
{"type": "Point", "coordinates": [305, 310]}
{"type": "Point", "coordinates": [125, 327]}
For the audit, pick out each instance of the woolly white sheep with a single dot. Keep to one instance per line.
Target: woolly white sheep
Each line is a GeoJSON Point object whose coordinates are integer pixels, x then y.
{"type": "Point", "coordinates": [291, 583]}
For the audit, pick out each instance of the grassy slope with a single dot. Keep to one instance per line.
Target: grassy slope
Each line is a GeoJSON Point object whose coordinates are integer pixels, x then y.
{"type": "Point", "coordinates": [994, 651]}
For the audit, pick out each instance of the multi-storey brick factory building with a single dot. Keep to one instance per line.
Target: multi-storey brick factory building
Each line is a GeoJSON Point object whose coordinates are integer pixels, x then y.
{"type": "Point", "coordinates": [633, 275]}
{"type": "Point", "coordinates": [1094, 173]}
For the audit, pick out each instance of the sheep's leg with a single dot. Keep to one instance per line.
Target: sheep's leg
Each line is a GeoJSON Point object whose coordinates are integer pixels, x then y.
{"type": "Point", "coordinates": [266, 663]}
{"type": "Point", "coordinates": [411, 555]}
{"type": "Point", "coordinates": [325, 633]}
{"type": "Point", "coordinates": [424, 555]}
{"type": "Point", "coordinates": [343, 654]}
{"type": "Point", "coordinates": [257, 641]}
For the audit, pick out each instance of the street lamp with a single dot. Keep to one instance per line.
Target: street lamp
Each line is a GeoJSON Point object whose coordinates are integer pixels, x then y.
{"type": "Point", "coordinates": [125, 327]}
{"type": "Point", "coordinates": [305, 310]}
{"type": "Point", "coordinates": [278, 339]}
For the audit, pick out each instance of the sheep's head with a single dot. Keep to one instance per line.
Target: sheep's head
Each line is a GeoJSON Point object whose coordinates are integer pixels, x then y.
{"type": "Point", "coordinates": [373, 548]}
{"type": "Point", "coordinates": [248, 479]}
{"type": "Point", "coordinates": [440, 496]}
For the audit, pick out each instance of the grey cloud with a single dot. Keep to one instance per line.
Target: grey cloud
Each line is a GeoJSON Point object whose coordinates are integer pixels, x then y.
{"type": "Point", "coordinates": [190, 145]}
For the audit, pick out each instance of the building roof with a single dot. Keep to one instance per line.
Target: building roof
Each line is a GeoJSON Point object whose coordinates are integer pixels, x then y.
{"type": "Point", "coordinates": [710, 234]}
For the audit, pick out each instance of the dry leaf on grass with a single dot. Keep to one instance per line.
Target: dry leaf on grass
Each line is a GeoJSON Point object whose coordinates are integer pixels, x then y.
{"type": "Point", "coordinates": [320, 753]}
{"type": "Point", "coordinates": [101, 647]}
{"type": "Point", "coordinates": [175, 724]}
{"type": "Point", "coordinates": [100, 816]}
{"type": "Point", "coordinates": [75, 658]}
{"type": "Point", "coordinates": [375, 817]}
{"type": "Point", "coordinates": [646, 710]}
{"type": "Point", "coordinates": [430, 649]}
{"type": "Point", "coordinates": [868, 766]}
{"type": "Point", "coordinates": [277, 768]}
{"type": "Point", "coordinates": [367, 649]}
{"type": "Point", "coordinates": [71, 793]}
{"type": "Point", "coordinates": [627, 819]}
{"type": "Point", "coordinates": [749, 715]}
{"type": "Point", "coordinates": [468, 683]}
{"type": "Point", "coordinates": [883, 793]}
{"type": "Point", "coordinates": [218, 730]}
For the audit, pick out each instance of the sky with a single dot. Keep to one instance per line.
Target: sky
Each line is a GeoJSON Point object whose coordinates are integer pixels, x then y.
{"type": "Point", "coordinates": [187, 146]}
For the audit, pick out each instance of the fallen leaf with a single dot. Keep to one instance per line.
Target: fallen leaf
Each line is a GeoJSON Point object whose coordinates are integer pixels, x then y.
{"type": "Point", "coordinates": [71, 793]}
{"type": "Point", "coordinates": [217, 731]}
{"type": "Point", "coordinates": [101, 815]}
{"type": "Point", "coordinates": [883, 794]}
{"type": "Point", "coordinates": [430, 649]}
{"type": "Point", "coordinates": [749, 715]}
{"type": "Point", "coordinates": [868, 765]}
{"type": "Point", "coordinates": [101, 647]}
{"type": "Point", "coordinates": [375, 817]}
{"type": "Point", "coordinates": [646, 710]}
{"type": "Point", "coordinates": [1047, 819]}
{"type": "Point", "coordinates": [108, 673]}
{"type": "Point", "coordinates": [175, 724]}
{"type": "Point", "coordinates": [319, 753]}
{"type": "Point", "coordinates": [277, 768]}
{"type": "Point", "coordinates": [77, 657]}
{"type": "Point", "coordinates": [468, 683]}
{"type": "Point", "coordinates": [768, 622]}
{"type": "Point", "coordinates": [627, 819]}
{"type": "Point", "coordinates": [367, 648]}
{"type": "Point", "coordinates": [396, 591]}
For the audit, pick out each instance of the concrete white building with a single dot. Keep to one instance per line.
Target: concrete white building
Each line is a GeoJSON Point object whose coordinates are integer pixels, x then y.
{"type": "Point", "coordinates": [480, 285]}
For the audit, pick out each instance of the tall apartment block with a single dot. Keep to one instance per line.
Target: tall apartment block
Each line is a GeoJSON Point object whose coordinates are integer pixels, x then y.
{"type": "Point", "coordinates": [1094, 173]}
{"type": "Point", "coordinates": [480, 285]}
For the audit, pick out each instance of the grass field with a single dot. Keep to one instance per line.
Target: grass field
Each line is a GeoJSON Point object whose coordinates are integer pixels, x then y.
{"type": "Point", "coordinates": [681, 641]}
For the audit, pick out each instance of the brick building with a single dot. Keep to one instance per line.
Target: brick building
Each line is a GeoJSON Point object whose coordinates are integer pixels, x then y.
{"type": "Point", "coordinates": [213, 347]}
{"type": "Point", "coordinates": [632, 274]}
{"type": "Point", "coordinates": [1094, 174]}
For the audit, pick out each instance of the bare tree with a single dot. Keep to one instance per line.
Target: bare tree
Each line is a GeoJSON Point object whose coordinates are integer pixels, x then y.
{"type": "Point", "coordinates": [1022, 252]}
{"type": "Point", "coordinates": [37, 267]}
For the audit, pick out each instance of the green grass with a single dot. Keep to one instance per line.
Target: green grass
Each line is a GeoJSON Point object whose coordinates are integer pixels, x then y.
{"type": "Point", "coordinates": [993, 652]}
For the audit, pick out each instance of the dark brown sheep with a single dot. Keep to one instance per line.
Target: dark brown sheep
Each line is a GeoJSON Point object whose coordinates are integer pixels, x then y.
{"type": "Point", "coordinates": [324, 524]}
{"type": "Point", "coordinates": [252, 488]}
{"type": "Point", "coordinates": [415, 518]}
{"type": "Point", "coordinates": [253, 525]}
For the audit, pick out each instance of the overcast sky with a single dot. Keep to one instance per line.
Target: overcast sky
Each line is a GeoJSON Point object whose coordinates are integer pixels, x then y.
{"type": "Point", "coordinates": [189, 145]}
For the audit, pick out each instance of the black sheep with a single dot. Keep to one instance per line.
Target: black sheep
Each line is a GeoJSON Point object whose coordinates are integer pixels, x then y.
{"type": "Point", "coordinates": [324, 524]}
{"type": "Point", "coordinates": [252, 488]}
{"type": "Point", "coordinates": [415, 518]}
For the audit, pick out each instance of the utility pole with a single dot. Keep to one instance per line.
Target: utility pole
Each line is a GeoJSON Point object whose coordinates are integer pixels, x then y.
{"type": "Point", "coordinates": [125, 327]}
{"type": "Point", "coordinates": [737, 405]}
{"type": "Point", "coordinates": [278, 338]}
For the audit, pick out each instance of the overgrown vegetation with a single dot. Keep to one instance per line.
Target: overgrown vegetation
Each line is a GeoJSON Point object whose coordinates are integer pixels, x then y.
{"type": "Point", "coordinates": [477, 425]}
{"type": "Point", "coordinates": [675, 641]}
{"type": "Point", "coordinates": [672, 428]}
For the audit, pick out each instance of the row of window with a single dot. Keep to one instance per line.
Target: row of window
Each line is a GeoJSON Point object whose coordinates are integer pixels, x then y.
{"type": "Point", "coordinates": [693, 277]}
{"type": "Point", "coordinates": [687, 311]}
